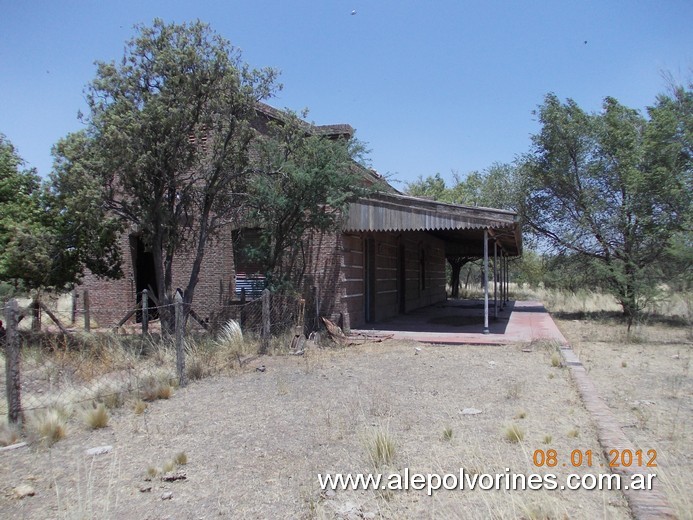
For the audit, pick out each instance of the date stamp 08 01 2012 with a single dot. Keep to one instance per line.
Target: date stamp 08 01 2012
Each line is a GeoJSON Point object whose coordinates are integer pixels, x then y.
{"type": "Point", "coordinates": [579, 458]}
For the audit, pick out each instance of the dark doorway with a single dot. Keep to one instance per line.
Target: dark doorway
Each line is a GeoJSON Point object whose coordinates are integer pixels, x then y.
{"type": "Point", "coordinates": [145, 275]}
{"type": "Point", "coordinates": [369, 279]}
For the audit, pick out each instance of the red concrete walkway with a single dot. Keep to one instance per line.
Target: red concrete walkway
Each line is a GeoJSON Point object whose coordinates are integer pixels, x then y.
{"type": "Point", "coordinates": [459, 322]}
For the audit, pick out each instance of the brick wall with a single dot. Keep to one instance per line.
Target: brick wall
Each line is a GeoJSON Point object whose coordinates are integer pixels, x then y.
{"type": "Point", "coordinates": [112, 299]}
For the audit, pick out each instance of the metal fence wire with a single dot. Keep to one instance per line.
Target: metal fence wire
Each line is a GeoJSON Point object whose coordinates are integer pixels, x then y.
{"type": "Point", "coordinates": [65, 366]}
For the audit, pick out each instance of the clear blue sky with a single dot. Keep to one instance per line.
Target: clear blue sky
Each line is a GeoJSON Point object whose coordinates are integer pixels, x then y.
{"type": "Point", "coordinates": [431, 86]}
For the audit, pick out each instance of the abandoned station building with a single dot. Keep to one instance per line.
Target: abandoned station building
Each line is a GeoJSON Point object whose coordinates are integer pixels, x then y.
{"type": "Point", "coordinates": [388, 257]}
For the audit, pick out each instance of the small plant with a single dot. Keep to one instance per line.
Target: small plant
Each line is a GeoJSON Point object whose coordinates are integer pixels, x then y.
{"type": "Point", "coordinates": [97, 417]}
{"type": "Point", "coordinates": [9, 434]}
{"type": "Point", "coordinates": [113, 400]}
{"type": "Point", "coordinates": [168, 467]}
{"type": "Point", "coordinates": [514, 390]}
{"type": "Point", "coordinates": [548, 439]}
{"type": "Point", "coordinates": [574, 433]}
{"type": "Point", "coordinates": [381, 449]}
{"type": "Point", "coordinates": [139, 407]}
{"type": "Point", "coordinates": [181, 459]}
{"type": "Point", "coordinates": [624, 364]}
{"type": "Point", "coordinates": [556, 360]}
{"type": "Point", "coordinates": [152, 472]}
{"type": "Point", "coordinates": [152, 389]}
{"type": "Point", "coordinates": [50, 426]}
{"type": "Point", "coordinates": [164, 391]}
{"type": "Point", "coordinates": [551, 375]}
{"type": "Point", "coordinates": [514, 433]}
{"type": "Point", "coordinates": [196, 370]}
{"type": "Point", "coordinates": [447, 434]}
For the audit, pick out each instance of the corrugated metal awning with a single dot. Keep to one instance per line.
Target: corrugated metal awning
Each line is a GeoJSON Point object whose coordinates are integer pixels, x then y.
{"type": "Point", "coordinates": [453, 222]}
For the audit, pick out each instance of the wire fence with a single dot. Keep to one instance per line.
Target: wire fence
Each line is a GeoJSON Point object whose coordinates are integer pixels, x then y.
{"type": "Point", "coordinates": [58, 365]}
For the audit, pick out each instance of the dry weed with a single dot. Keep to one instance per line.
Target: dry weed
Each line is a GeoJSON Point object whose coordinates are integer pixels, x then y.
{"type": "Point", "coordinates": [381, 448]}
{"type": "Point", "coordinates": [9, 434]}
{"type": "Point", "coordinates": [97, 417]}
{"type": "Point", "coordinates": [49, 425]}
{"type": "Point", "coordinates": [514, 433]}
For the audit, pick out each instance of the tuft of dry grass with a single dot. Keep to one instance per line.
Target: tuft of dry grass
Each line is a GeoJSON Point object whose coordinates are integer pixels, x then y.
{"type": "Point", "coordinates": [181, 458]}
{"type": "Point", "coordinates": [447, 434]}
{"type": "Point", "coordinates": [573, 433]}
{"type": "Point", "coordinates": [97, 417]}
{"type": "Point", "coordinates": [514, 433]}
{"type": "Point", "coordinates": [9, 434]}
{"type": "Point", "coordinates": [381, 448]}
{"type": "Point", "coordinates": [556, 361]}
{"type": "Point", "coordinates": [152, 388]}
{"type": "Point", "coordinates": [49, 425]}
{"type": "Point", "coordinates": [139, 407]}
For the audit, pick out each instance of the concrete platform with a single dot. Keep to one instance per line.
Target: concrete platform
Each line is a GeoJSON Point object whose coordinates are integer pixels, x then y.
{"type": "Point", "coordinates": [462, 321]}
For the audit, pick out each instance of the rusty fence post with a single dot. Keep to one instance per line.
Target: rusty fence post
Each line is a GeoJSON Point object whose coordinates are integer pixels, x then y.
{"type": "Point", "coordinates": [87, 313]}
{"type": "Point", "coordinates": [180, 347]}
{"type": "Point", "coordinates": [12, 357]}
{"type": "Point", "coordinates": [266, 322]}
{"type": "Point", "coordinates": [145, 312]}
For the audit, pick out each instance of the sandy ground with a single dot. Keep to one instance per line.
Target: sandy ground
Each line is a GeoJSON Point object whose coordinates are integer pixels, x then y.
{"type": "Point", "coordinates": [256, 441]}
{"type": "Point", "coordinates": [647, 383]}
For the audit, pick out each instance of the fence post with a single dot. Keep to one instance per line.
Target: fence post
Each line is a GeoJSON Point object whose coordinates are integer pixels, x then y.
{"type": "Point", "coordinates": [180, 351]}
{"type": "Point", "coordinates": [12, 374]}
{"type": "Point", "coordinates": [87, 314]}
{"type": "Point", "coordinates": [36, 314]}
{"type": "Point", "coordinates": [265, 336]}
{"type": "Point", "coordinates": [145, 312]}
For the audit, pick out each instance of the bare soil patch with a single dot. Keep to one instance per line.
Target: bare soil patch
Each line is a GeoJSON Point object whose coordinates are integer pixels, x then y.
{"type": "Point", "coordinates": [256, 441]}
{"type": "Point", "coordinates": [646, 381]}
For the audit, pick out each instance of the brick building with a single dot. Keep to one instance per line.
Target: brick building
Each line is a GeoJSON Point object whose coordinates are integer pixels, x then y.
{"type": "Point", "coordinates": [388, 258]}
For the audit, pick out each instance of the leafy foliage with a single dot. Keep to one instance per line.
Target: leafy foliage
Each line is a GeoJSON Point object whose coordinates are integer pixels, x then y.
{"type": "Point", "coordinates": [168, 133]}
{"type": "Point", "coordinates": [614, 187]}
{"type": "Point", "coordinates": [302, 182]}
{"type": "Point", "coordinates": [47, 238]}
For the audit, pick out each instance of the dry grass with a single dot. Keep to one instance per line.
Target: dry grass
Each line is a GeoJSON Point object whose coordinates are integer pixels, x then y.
{"type": "Point", "coordinates": [48, 426]}
{"type": "Point", "coordinates": [381, 448]}
{"type": "Point", "coordinates": [139, 406]}
{"type": "Point", "coordinates": [514, 433]}
{"type": "Point", "coordinates": [355, 409]}
{"type": "Point", "coordinates": [9, 434]}
{"type": "Point", "coordinates": [97, 417]}
{"type": "Point", "coordinates": [333, 410]}
{"type": "Point", "coordinates": [645, 379]}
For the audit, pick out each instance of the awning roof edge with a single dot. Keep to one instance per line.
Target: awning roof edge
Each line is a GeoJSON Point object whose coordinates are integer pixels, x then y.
{"type": "Point", "coordinates": [388, 212]}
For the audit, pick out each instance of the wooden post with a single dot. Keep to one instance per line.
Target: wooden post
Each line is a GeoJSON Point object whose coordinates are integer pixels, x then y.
{"type": "Point", "coordinates": [266, 322]}
{"type": "Point", "coordinates": [36, 314]}
{"type": "Point", "coordinates": [502, 280]}
{"type": "Point", "coordinates": [87, 314]}
{"type": "Point", "coordinates": [145, 312]}
{"type": "Point", "coordinates": [12, 373]}
{"type": "Point", "coordinates": [180, 350]}
{"type": "Point", "coordinates": [486, 329]}
{"type": "Point", "coordinates": [495, 279]}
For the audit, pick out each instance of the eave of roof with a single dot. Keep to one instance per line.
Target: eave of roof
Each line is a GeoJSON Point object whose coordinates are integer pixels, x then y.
{"type": "Point", "coordinates": [390, 212]}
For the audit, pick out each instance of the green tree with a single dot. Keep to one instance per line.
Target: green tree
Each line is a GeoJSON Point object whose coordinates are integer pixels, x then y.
{"type": "Point", "coordinates": [302, 182]}
{"type": "Point", "coordinates": [169, 132]}
{"type": "Point", "coordinates": [613, 188]}
{"type": "Point", "coordinates": [46, 240]}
